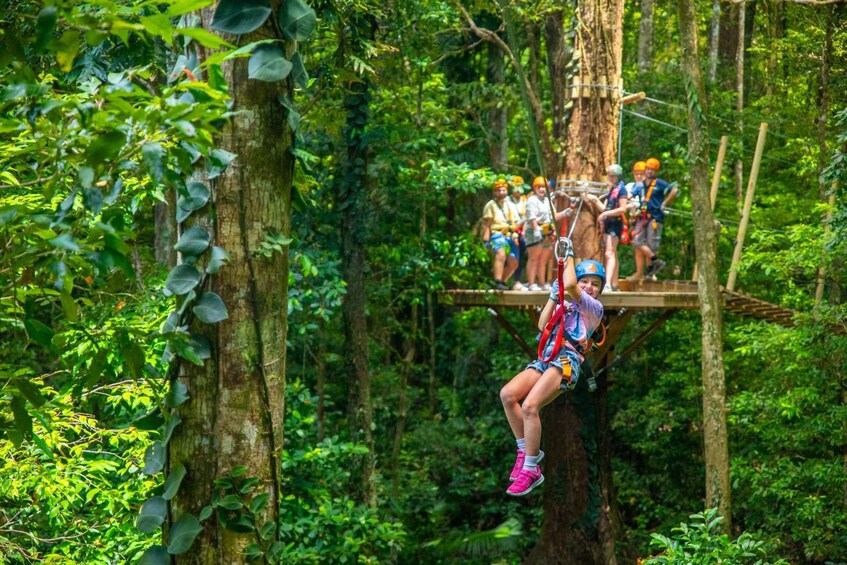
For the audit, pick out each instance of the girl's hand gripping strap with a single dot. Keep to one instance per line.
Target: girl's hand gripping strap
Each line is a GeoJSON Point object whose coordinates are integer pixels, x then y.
{"type": "Point", "coordinates": [562, 250]}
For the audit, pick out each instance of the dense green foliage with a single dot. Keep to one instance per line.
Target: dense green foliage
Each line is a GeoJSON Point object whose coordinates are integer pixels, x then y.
{"type": "Point", "coordinates": [99, 121]}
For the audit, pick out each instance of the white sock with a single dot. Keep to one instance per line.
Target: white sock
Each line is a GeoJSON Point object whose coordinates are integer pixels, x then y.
{"type": "Point", "coordinates": [530, 463]}
{"type": "Point", "coordinates": [521, 444]}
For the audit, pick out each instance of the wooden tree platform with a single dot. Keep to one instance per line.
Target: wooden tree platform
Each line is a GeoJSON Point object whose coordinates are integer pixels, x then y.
{"type": "Point", "coordinates": [670, 296]}
{"type": "Point", "coordinates": [641, 295]}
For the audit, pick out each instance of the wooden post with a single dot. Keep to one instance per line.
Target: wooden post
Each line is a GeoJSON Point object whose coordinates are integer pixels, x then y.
{"type": "Point", "coordinates": [748, 204]}
{"type": "Point", "coordinates": [826, 229]}
{"type": "Point", "coordinates": [716, 180]}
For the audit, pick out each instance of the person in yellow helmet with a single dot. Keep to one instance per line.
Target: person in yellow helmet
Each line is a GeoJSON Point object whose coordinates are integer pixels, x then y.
{"type": "Point", "coordinates": [656, 195]}
{"type": "Point", "coordinates": [499, 233]}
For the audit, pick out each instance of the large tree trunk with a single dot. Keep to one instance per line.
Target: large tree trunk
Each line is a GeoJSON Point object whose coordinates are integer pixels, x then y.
{"type": "Point", "coordinates": [645, 37]}
{"type": "Point", "coordinates": [576, 527]}
{"type": "Point", "coordinates": [558, 57]}
{"type": "Point", "coordinates": [352, 202]}
{"type": "Point", "coordinates": [592, 135]}
{"type": "Point", "coordinates": [714, 388]}
{"type": "Point", "coordinates": [498, 135]}
{"type": "Point", "coordinates": [235, 412]}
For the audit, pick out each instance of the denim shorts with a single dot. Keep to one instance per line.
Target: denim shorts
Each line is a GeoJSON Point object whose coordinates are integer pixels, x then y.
{"type": "Point", "coordinates": [500, 241]}
{"type": "Point", "coordinates": [571, 355]}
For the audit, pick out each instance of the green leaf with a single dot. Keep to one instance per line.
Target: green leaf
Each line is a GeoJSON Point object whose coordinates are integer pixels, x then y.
{"type": "Point", "coordinates": [206, 512]}
{"type": "Point", "coordinates": [268, 64]}
{"type": "Point", "coordinates": [65, 241]}
{"type": "Point", "coordinates": [133, 358]}
{"type": "Point", "coordinates": [105, 147]}
{"type": "Point", "coordinates": [194, 241]}
{"type": "Point", "coordinates": [44, 27]}
{"type": "Point", "coordinates": [217, 260]}
{"type": "Point", "coordinates": [267, 530]}
{"type": "Point", "coordinates": [29, 391]}
{"type": "Point", "coordinates": [170, 324]}
{"type": "Point", "coordinates": [259, 502]}
{"type": "Point", "coordinates": [155, 555]}
{"type": "Point", "coordinates": [240, 16]}
{"type": "Point", "coordinates": [238, 470]}
{"type": "Point", "coordinates": [152, 514]}
{"type": "Point", "coordinates": [92, 199]}
{"type": "Point", "coordinates": [210, 308]}
{"type": "Point", "coordinates": [231, 502]}
{"type": "Point", "coordinates": [198, 195]}
{"type": "Point", "coordinates": [217, 162]}
{"type": "Point", "coordinates": [152, 154]}
{"type": "Point", "coordinates": [298, 73]}
{"type": "Point", "coordinates": [183, 533]}
{"type": "Point", "coordinates": [180, 7]}
{"type": "Point", "coordinates": [177, 394]}
{"type": "Point", "coordinates": [205, 38]}
{"type": "Point", "coordinates": [154, 459]}
{"type": "Point", "coordinates": [23, 421]}
{"type": "Point", "coordinates": [200, 345]}
{"type": "Point", "coordinates": [39, 332]}
{"type": "Point", "coordinates": [182, 279]}
{"type": "Point", "coordinates": [7, 214]}
{"type": "Point", "coordinates": [297, 20]}
{"type": "Point", "coordinates": [174, 480]}
{"type": "Point", "coordinates": [67, 49]}
{"type": "Point", "coordinates": [173, 421]}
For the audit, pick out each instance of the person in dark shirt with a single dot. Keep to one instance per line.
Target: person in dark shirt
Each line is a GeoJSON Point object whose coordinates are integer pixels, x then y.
{"type": "Point", "coordinates": [657, 194]}
{"type": "Point", "coordinates": [612, 220]}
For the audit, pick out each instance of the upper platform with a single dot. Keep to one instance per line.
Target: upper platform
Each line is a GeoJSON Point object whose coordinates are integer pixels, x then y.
{"type": "Point", "coordinates": [640, 295]}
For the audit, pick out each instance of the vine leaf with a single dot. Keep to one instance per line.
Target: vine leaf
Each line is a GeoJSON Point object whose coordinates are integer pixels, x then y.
{"type": "Point", "coordinates": [240, 16]}
{"type": "Point", "coordinates": [268, 64]}
{"type": "Point", "coordinates": [183, 533]}
{"type": "Point", "coordinates": [193, 242]}
{"type": "Point", "coordinates": [174, 480]}
{"type": "Point", "coordinates": [152, 514]}
{"type": "Point", "coordinates": [217, 260]}
{"type": "Point", "coordinates": [210, 308]}
{"type": "Point", "coordinates": [155, 555]}
{"type": "Point", "coordinates": [298, 73]}
{"type": "Point", "coordinates": [297, 20]}
{"type": "Point", "coordinates": [177, 395]}
{"type": "Point", "coordinates": [154, 459]}
{"type": "Point", "coordinates": [182, 279]}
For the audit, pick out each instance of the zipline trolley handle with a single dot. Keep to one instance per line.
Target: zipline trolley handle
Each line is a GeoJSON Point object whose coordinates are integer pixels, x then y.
{"type": "Point", "coordinates": [562, 248]}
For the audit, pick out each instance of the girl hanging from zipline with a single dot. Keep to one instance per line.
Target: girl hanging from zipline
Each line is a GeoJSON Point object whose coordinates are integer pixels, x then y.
{"type": "Point", "coordinates": [568, 320]}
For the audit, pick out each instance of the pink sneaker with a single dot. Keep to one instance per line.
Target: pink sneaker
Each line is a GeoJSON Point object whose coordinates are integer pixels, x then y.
{"type": "Point", "coordinates": [526, 481]}
{"type": "Point", "coordinates": [516, 470]}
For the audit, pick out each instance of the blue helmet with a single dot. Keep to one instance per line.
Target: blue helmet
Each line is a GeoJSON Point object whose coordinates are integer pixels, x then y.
{"type": "Point", "coordinates": [593, 268]}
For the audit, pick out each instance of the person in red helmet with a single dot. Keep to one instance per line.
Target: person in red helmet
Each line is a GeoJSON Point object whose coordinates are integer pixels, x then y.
{"type": "Point", "coordinates": [575, 312]}
{"type": "Point", "coordinates": [657, 194]}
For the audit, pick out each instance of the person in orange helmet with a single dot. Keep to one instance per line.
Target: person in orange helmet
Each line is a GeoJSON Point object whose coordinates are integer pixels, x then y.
{"type": "Point", "coordinates": [657, 194]}
{"type": "Point", "coordinates": [499, 233]}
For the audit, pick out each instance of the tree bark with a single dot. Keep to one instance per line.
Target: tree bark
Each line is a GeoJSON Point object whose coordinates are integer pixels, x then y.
{"type": "Point", "coordinates": [714, 40]}
{"type": "Point", "coordinates": [498, 135]}
{"type": "Point", "coordinates": [592, 135]}
{"type": "Point", "coordinates": [352, 203]}
{"type": "Point", "coordinates": [645, 37]}
{"type": "Point", "coordinates": [714, 387]}
{"type": "Point", "coordinates": [165, 236]}
{"type": "Point", "coordinates": [558, 57]}
{"type": "Point", "coordinates": [576, 529]}
{"type": "Point", "coordinates": [235, 412]}
{"type": "Point", "coordinates": [739, 102]}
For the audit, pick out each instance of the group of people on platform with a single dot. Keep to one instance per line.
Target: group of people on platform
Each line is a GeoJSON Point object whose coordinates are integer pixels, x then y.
{"type": "Point", "coordinates": [519, 228]}
{"type": "Point", "coordinates": [515, 225]}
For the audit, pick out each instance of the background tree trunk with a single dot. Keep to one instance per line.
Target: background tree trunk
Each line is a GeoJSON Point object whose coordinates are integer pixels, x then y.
{"type": "Point", "coordinates": [576, 527]}
{"type": "Point", "coordinates": [714, 39]}
{"type": "Point", "coordinates": [739, 103]}
{"type": "Point", "coordinates": [235, 412]}
{"type": "Point", "coordinates": [645, 37]}
{"type": "Point", "coordinates": [714, 388]}
{"type": "Point", "coordinates": [498, 134]}
{"type": "Point", "coordinates": [352, 204]}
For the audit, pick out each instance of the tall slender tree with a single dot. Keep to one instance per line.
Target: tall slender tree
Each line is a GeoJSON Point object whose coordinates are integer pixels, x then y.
{"type": "Point", "coordinates": [714, 387]}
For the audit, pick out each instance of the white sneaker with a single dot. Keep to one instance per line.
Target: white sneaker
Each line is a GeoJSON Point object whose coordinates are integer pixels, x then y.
{"type": "Point", "coordinates": [519, 286]}
{"type": "Point", "coordinates": [547, 286]}
{"type": "Point", "coordinates": [534, 287]}
{"type": "Point", "coordinates": [608, 288]}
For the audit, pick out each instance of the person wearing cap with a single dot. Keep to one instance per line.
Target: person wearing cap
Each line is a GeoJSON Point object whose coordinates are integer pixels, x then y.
{"type": "Point", "coordinates": [499, 235]}
{"type": "Point", "coordinates": [657, 194]}
{"type": "Point", "coordinates": [612, 220]}
{"type": "Point", "coordinates": [542, 381]}
{"type": "Point", "coordinates": [518, 198]}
